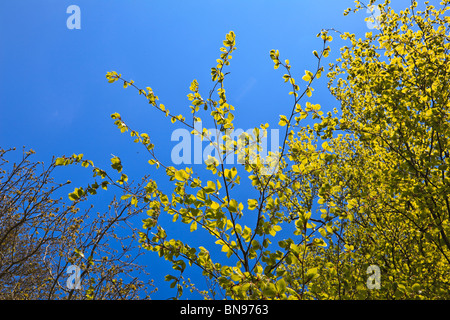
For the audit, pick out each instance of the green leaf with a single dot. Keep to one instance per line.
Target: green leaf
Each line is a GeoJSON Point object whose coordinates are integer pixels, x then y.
{"type": "Point", "coordinates": [416, 287]}
{"type": "Point", "coordinates": [60, 162]}
{"type": "Point", "coordinates": [233, 205]}
{"type": "Point", "coordinates": [283, 121]}
{"type": "Point", "coordinates": [125, 196]}
{"type": "Point", "coordinates": [86, 163]}
{"type": "Point", "coordinates": [210, 188]}
{"type": "Point", "coordinates": [105, 185]}
{"type": "Point", "coordinates": [270, 290]}
{"type": "Point", "coordinates": [115, 115]}
{"type": "Point", "coordinates": [73, 196]}
{"type": "Point", "coordinates": [308, 76]}
{"type": "Point", "coordinates": [181, 175]}
{"type": "Point", "coordinates": [311, 274]}
{"type": "Point", "coordinates": [252, 204]}
{"type": "Point", "coordinates": [116, 164]}
{"type": "Point", "coordinates": [256, 245]}
{"type": "Point", "coordinates": [281, 286]}
{"type": "Point", "coordinates": [134, 201]}
{"type": "Point", "coordinates": [214, 205]}
{"type": "Point", "coordinates": [193, 226]}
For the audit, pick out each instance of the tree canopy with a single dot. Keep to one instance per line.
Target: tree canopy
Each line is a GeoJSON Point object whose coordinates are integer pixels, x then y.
{"type": "Point", "coordinates": [364, 186]}
{"type": "Point", "coordinates": [356, 202]}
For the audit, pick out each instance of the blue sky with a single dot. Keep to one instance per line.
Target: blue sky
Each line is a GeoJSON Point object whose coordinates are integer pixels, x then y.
{"type": "Point", "coordinates": [55, 99]}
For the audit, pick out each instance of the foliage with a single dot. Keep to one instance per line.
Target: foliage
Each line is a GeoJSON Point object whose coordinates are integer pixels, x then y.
{"type": "Point", "coordinates": [41, 236]}
{"type": "Point", "coordinates": [368, 186]}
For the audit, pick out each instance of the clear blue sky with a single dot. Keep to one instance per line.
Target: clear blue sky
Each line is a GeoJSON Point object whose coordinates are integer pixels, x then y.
{"type": "Point", "coordinates": [54, 96]}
